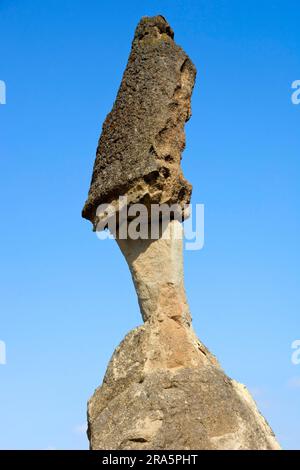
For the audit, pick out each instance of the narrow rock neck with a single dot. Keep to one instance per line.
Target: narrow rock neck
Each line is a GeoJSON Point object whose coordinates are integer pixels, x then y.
{"type": "Point", "coordinates": [156, 267]}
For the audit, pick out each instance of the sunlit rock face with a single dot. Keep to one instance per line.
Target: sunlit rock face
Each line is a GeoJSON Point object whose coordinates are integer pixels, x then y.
{"type": "Point", "coordinates": [139, 151]}
{"type": "Point", "coordinates": [162, 389]}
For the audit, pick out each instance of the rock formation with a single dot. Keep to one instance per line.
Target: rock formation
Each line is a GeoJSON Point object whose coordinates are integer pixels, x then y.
{"type": "Point", "coordinates": [163, 389]}
{"type": "Point", "coordinates": [139, 151]}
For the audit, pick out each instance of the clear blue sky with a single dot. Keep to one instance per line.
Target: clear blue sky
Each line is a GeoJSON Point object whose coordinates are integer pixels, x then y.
{"type": "Point", "coordinates": [66, 298]}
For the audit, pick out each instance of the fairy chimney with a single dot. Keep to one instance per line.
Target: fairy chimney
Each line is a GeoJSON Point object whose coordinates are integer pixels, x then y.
{"type": "Point", "coordinates": [162, 389]}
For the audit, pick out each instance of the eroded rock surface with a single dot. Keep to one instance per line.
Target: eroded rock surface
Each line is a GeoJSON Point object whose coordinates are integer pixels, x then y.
{"type": "Point", "coordinates": [163, 389]}
{"type": "Point", "coordinates": [139, 151]}
{"type": "Point", "coordinates": [157, 273]}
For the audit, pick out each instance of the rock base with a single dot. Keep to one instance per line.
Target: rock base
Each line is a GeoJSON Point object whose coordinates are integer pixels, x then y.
{"type": "Point", "coordinates": [172, 397]}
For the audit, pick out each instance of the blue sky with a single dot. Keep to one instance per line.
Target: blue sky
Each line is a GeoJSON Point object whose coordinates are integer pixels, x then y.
{"type": "Point", "coordinates": [66, 298]}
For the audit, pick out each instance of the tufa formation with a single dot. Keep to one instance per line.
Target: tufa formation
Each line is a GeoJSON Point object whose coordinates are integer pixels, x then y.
{"type": "Point", "coordinates": [140, 147]}
{"type": "Point", "coordinates": [162, 389]}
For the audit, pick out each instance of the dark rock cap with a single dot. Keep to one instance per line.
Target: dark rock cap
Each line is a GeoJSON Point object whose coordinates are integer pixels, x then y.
{"type": "Point", "coordinates": [139, 151]}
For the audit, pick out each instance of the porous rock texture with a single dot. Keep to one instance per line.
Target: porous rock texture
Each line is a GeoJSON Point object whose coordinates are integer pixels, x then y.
{"type": "Point", "coordinates": [163, 389]}
{"type": "Point", "coordinates": [139, 151]}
